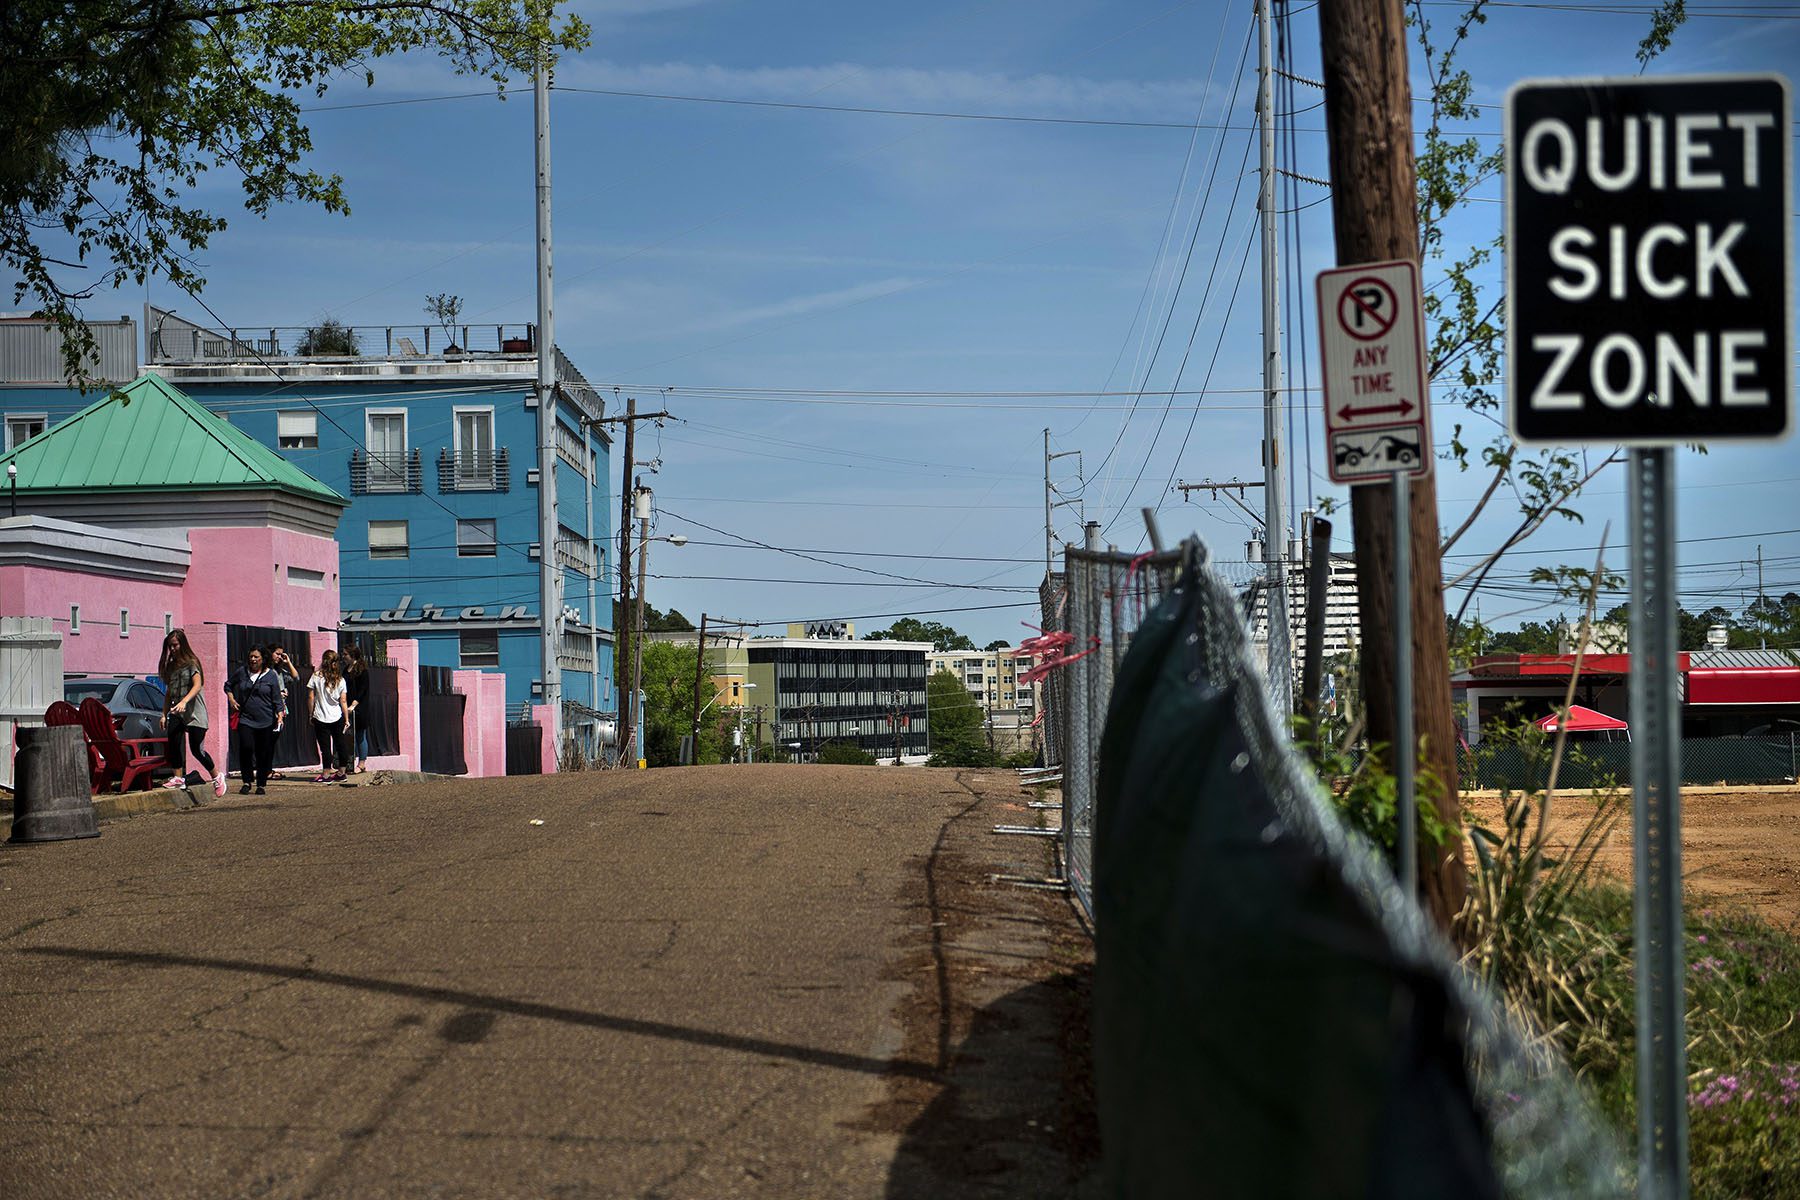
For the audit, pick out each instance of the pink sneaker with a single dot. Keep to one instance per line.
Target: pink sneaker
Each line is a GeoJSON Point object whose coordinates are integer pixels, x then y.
{"type": "Point", "coordinates": [218, 785]}
{"type": "Point", "coordinates": [175, 781]}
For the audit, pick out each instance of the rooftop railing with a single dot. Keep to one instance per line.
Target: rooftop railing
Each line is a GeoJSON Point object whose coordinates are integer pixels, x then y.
{"type": "Point", "coordinates": [176, 344]}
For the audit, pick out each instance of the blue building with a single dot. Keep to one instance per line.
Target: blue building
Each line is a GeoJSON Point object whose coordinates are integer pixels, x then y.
{"type": "Point", "coordinates": [431, 431]}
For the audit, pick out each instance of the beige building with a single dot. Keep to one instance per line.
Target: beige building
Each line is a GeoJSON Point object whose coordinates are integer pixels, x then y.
{"type": "Point", "coordinates": [1009, 707]}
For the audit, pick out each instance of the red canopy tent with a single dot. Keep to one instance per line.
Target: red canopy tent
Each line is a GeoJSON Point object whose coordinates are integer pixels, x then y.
{"type": "Point", "coordinates": [1581, 720]}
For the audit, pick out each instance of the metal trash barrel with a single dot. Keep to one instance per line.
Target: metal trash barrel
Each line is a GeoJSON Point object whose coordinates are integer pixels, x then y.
{"type": "Point", "coordinates": [51, 802]}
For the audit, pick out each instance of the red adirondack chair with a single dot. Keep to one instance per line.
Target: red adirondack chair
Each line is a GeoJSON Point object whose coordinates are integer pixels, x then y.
{"type": "Point", "coordinates": [61, 712]}
{"type": "Point", "coordinates": [128, 762]}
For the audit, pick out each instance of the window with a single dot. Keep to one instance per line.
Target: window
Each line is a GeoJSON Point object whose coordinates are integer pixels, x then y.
{"type": "Point", "coordinates": [124, 622]}
{"type": "Point", "coordinates": [302, 577]}
{"type": "Point", "coordinates": [480, 648]}
{"type": "Point", "coordinates": [21, 427]}
{"type": "Point", "coordinates": [74, 618]}
{"type": "Point", "coordinates": [474, 448]}
{"type": "Point", "coordinates": [576, 652]}
{"type": "Point", "coordinates": [569, 449]}
{"type": "Point", "coordinates": [388, 539]}
{"type": "Point", "coordinates": [143, 696]}
{"type": "Point", "coordinates": [574, 551]}
{"type": "Point", "coordinates": [475, 538]}
{"type": "Point", "coordinates": [297, 430]}
{"type": "Point", "coordinates": [387, 451]}
{"type": "Point", "coordinates": [168, 624]}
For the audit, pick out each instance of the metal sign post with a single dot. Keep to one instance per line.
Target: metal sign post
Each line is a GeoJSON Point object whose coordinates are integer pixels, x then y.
{"type": "Point", "coordinates": [1656, 830]}
{"type": "Point", "coordinates": [1405, 744]}
{"type": "Point", "coordinates": [1649, 303]}
{"type": "Point", "coordinates": [1378, 430]}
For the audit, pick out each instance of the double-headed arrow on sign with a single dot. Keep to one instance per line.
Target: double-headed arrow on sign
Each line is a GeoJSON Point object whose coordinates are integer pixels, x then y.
{"type": "Point", "coordinates": [1348, 413]}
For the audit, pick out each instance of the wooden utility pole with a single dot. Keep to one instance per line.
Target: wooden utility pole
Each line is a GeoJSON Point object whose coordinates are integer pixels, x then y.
{"type": "Point", "coordinates": [1368, 106]}
{"type": "Point", "coordinates": [622, 646]}
{"type": "Point", "coordinates": [623, 639]}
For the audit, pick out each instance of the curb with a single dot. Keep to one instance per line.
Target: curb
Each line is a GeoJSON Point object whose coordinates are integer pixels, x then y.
{"type": "Point", "coordinates": [117, 806]}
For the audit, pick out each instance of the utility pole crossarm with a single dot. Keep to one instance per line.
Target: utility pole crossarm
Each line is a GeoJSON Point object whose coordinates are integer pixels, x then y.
{"type": "Point", "coordinates": [1225, 488]}
{"type": "Point", "coordinates": [631, 416]}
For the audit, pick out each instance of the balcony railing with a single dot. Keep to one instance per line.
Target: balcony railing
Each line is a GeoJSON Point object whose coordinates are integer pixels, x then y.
{"type": "Point", "coordinates": [373, 473]}
{"type": "Point", "coordinates": [474, 471]}
{"type": "Point", "coordinates": [180, 342]}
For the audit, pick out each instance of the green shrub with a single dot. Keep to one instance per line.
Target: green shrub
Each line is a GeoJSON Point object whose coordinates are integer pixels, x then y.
{"type": "Point", "coordinates": [329, 336]}
{"type": "Point", "coordinates": [844, 754]}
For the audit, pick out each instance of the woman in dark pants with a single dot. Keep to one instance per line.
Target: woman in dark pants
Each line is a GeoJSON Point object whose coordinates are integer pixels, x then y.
{"type": "Point", "coordinates": [258, 698]}
{"type": "Point", "coordinates": [356, 679]}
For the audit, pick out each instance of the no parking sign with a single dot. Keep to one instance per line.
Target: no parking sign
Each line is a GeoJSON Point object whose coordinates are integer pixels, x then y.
{"type": "Point", "coordinates": [1377, 408]}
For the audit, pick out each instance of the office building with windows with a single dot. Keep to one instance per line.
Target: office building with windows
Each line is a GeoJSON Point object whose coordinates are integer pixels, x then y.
{"type": "Point", "coordinates": [431, 433]}
{"type": "Point", "coordinates": [800, 692]}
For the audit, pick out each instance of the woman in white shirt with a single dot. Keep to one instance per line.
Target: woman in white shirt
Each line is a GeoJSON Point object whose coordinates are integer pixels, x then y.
{"type": "Point", "coordinates": [328, 692]}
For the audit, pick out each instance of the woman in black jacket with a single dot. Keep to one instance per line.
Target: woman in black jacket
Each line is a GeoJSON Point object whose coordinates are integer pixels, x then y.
{"type": "Point", "coordinates": [356, 679]}
{"type": "Point", "coordinates": [257, 696]}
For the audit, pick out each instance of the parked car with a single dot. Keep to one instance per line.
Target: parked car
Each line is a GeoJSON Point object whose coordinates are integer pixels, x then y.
{"type": "Point", "coordinates": [139, 702]}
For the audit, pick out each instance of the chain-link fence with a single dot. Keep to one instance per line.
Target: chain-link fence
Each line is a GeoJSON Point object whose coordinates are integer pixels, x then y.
{"type": "Point", "coordinates": [1099, 600]}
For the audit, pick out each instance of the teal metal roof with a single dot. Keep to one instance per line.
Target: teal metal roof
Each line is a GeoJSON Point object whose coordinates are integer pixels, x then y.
{"type": "Point", "coordinates": [151, 436]}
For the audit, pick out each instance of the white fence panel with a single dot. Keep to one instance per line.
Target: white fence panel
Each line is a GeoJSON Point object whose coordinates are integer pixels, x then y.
{"type": "Point", "coordinates": [31, 678]}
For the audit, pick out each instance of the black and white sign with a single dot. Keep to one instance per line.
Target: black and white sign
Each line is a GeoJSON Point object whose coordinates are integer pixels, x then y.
{"type": "Point", "coordinates": [1377, 403]}
{"type": "Point", "coordinates": [1648, 260]}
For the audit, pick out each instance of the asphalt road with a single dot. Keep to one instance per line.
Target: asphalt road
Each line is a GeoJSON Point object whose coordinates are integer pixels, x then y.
{"type": "Point", "coordinates": [763, 981]}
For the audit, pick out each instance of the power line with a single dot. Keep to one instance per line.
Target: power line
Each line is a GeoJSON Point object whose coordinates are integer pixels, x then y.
{"type": "Point", "coordinates": [906, 580]}
{"type": "Point", "coordinates": [877, 553]}
{"type": "Point", "coordinates": [838, 583]}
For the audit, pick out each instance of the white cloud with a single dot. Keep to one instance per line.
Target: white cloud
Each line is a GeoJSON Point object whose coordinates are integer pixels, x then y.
{"type": "Point", "coordinates": [1041, 95]}
{"type": "Point", "coordinates": [901, 87]}
{"type": "Point", "coordinates": [796, 306]}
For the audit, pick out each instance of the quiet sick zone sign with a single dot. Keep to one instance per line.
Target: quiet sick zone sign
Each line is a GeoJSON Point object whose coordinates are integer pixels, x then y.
{"type": "Point", "coordinates": [1648, 259]}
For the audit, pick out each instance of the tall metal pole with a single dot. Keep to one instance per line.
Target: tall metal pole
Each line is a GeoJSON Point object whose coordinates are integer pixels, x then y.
{"type": "Point", "coordinates": [1281, 664]}
{"type": "Point", "coordinates": [699, 675]}
{"type": "Point", "coordinates": [1406, 833]}
{"type": "Point", "coordinates": [549, 575]}
{"type": "Point", "coordinates": [1656, 831]}
{"type": "Point", "coordinates": [1047, 526]}
{"type": "Point", "coordinates": [642, 496]}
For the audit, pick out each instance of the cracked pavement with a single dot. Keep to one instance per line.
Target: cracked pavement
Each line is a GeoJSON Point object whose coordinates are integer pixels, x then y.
{"type": "Point", "coordinates": [685, 983]}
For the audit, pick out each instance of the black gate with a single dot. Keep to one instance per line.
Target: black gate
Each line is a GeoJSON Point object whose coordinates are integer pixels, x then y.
{"type": "Point", "coordinates": [382, 720]}
{"type": "Point", "coordinates": [440, 723]}
{"type": "Point", "coordinates": [295, 747]}
{"type": "Point", "coordinates": [524, 747]}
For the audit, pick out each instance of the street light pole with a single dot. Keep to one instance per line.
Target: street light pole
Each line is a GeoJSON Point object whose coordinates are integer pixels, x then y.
{"type": "Point", "coordinates": [641, 498]}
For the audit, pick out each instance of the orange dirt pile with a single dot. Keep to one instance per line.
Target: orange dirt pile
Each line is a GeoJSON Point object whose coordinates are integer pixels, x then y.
{"type": "Point", "coordinates": [1741, 846]}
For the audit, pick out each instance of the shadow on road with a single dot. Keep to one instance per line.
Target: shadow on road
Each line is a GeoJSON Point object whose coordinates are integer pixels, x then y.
{"type": "Point", "coordinates": [1016, 1116]}
{"type": "Point", "coordinates": [505, 1005]}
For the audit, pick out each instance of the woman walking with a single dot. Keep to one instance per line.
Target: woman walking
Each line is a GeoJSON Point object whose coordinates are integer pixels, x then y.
{"type": "Point", "coordinates": [260, 702]}
{"type": "Point", "coordinates": [184, 713]}
{"type": "Point", "coordinates": [356, 685]}
{"type": "Point", "coordinates": [328, 699]}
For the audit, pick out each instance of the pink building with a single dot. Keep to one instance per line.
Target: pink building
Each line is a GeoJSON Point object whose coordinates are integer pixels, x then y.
{"type": "Point", "coordinates": [144, 512]}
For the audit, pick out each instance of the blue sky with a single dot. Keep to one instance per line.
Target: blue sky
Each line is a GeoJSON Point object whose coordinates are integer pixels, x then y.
{"type": "Point", "coordinates": [780, 271]}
